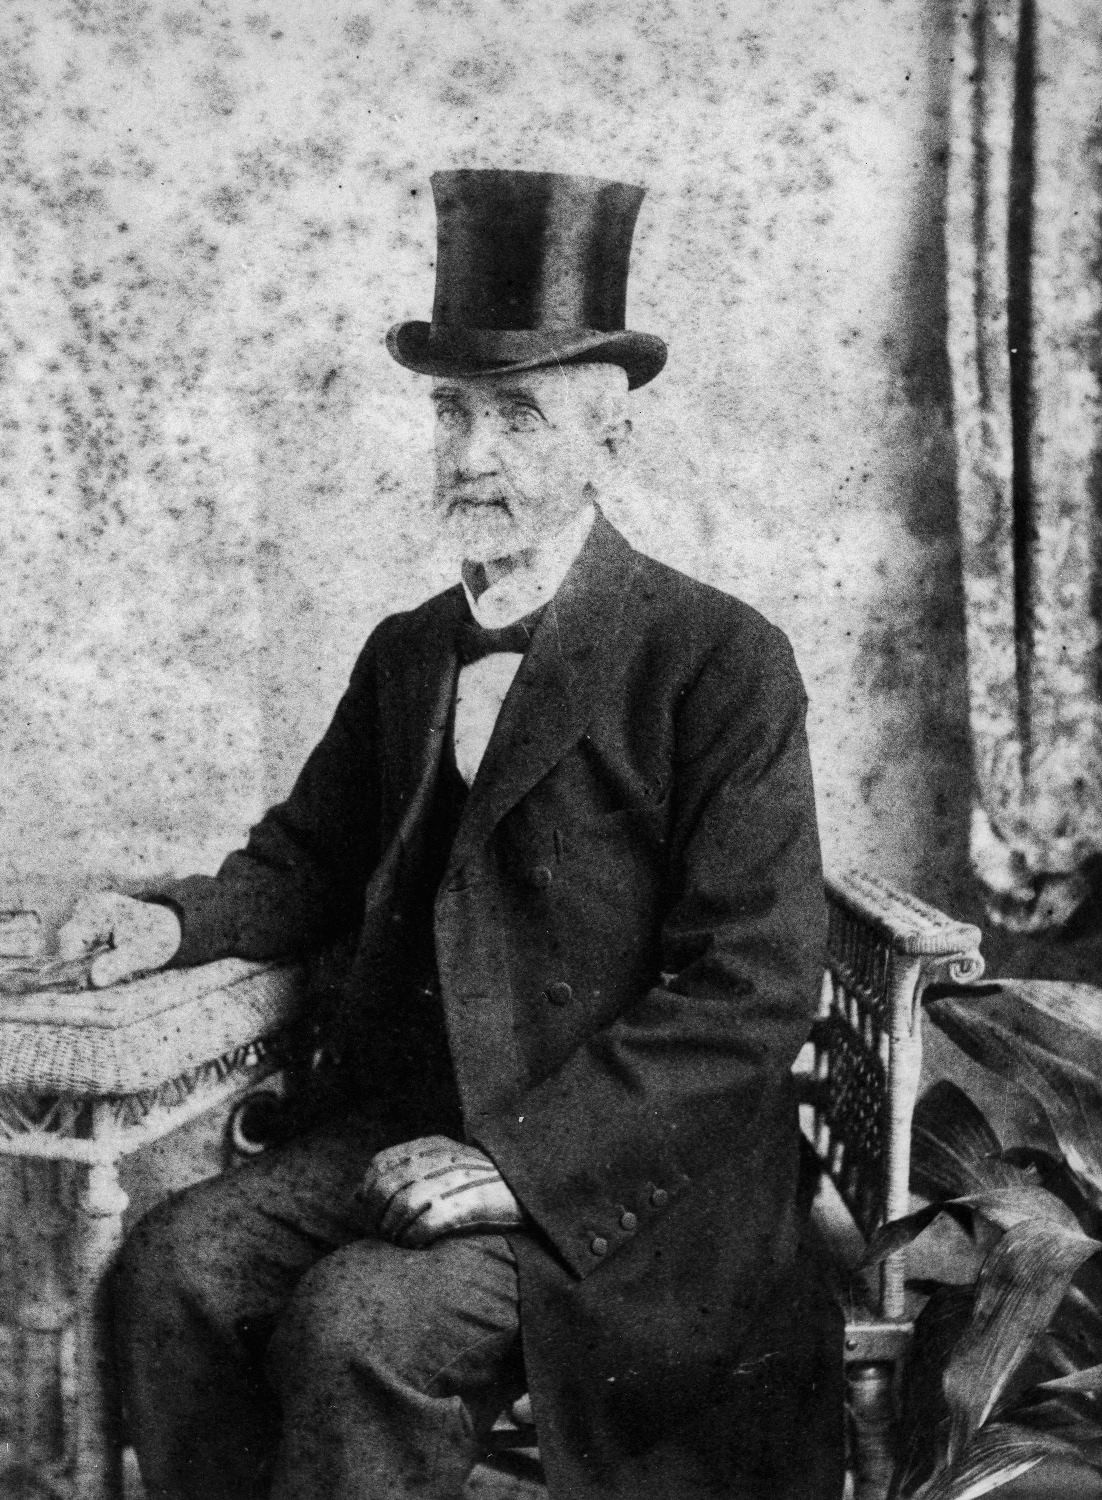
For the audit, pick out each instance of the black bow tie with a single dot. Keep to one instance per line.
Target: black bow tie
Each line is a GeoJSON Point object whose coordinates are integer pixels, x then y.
{"type": "Point", "coordinates": [473, 641]}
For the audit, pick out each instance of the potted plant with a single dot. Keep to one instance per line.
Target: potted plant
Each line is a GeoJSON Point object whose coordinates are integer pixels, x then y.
{"type": "Point", "coordinates": [1003, 1388]}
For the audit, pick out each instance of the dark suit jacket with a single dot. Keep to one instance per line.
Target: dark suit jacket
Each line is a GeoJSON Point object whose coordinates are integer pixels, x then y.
{"type": "Point", "coordinates": [629, 938]}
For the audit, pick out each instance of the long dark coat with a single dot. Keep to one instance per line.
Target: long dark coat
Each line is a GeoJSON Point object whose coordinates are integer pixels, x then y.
{"type": "Point", "coordinates": [629, 940]}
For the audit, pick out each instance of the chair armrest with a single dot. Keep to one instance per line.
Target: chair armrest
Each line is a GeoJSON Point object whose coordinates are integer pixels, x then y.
{"type": "Point", "coordinates": [884, 949]}
{"type": "Point", "coordinates": [908, 926]}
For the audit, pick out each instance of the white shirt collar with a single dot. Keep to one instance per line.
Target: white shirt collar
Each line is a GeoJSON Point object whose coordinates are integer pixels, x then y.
{"type": "Point", "coordinates": [534, 582]}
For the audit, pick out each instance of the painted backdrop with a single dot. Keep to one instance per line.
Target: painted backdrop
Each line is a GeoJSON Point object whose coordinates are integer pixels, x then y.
{"type": "Point", "coordinates": [212, 474]}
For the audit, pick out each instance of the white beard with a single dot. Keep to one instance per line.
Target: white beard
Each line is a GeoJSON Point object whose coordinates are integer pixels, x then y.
{"type": "Point", "coordinates": [481, 533]}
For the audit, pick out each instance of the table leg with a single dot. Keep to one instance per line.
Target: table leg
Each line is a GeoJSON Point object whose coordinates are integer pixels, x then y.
{"type": "Point", "coordinates": [97, 1446]}
{"type": "Point", "coordinates": [36, 1263]}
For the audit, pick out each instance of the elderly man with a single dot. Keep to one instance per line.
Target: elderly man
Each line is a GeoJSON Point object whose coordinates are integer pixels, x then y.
{"type": "Point", "coordinates": [562, 828]}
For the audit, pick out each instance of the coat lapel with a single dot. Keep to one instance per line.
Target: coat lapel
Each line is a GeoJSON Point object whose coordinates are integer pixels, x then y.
{"type": "Point", "coordinates": [418, 687]}
{"type": "Point", "coordinates": [552, 697]}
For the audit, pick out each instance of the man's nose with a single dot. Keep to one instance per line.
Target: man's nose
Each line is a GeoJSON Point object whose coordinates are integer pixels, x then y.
{"type": "Point", "coordinates": [478, 451]}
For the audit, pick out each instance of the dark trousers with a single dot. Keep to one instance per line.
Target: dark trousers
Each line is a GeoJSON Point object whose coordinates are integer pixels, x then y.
{"type": "Point", "coordinates": [270, 1346]}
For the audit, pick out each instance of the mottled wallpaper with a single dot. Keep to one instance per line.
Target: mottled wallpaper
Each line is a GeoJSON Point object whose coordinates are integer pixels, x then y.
{"type": "Point", "coordinates": [213, 476]}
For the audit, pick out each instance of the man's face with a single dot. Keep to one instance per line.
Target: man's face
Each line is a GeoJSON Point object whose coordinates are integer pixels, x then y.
{"type": "Point", "coordinates": [517, 455]}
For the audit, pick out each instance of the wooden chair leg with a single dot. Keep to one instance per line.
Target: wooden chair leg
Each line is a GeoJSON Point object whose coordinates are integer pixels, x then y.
{"type": "Point", "coordinates": [869, 1398]}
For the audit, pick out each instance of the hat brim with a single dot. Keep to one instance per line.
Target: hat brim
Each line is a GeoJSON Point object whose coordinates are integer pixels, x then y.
{"type": "Point", "coordinates": [487, 351]}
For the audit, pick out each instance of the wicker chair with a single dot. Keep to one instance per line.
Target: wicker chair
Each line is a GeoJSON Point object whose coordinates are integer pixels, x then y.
{"type": "Point", "coordinates": [861, 1077]}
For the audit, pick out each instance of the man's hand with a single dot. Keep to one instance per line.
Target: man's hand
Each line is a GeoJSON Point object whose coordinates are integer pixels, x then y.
{"type": "Point", "coordinates": [430, 1187]}
{"type": "Point", "coordinates": [139, 936]}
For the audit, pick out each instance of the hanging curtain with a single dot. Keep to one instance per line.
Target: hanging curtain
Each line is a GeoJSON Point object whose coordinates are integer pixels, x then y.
{"type": "Point", "coordinates": [1024, 241]}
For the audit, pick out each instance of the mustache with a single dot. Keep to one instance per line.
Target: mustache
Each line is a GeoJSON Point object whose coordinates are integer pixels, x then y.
{"type": "Point", "coordinates": [451, 496]}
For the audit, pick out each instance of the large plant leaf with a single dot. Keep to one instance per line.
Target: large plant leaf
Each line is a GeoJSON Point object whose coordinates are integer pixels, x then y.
{"type": "Point", "coordinates": [897, 1234]}
{"type": "Point", "coordinates": [1061, 1017]}
{"type": "Point", "coordinates": [923, 1411]}
{"type": "Point", "coordinates": [1004, 1207]}
{"type": "Point", "coordinates": [1071, 1420]}
{"type": "Point", "coordinates": [1051, 1355]}
{"type": "Point", "coordinates": [1022, 1393]}
{"type": "Point", "coordinates": [1076, 1327]}
{"type": "Point", "coordinates": [1021, 1284]}
{"type": "Point", "coordinates": [1072, 1102]}
{"type": "Point", "coordinates": [1063, 1412]}
{"type": "Point", "coordinates": [954, 1150]}
{"type": "Point", "coordinates": [1069, 1094]}
{"type": "Point", "coordinates": [1021, 1204]}
{"type": "Point", "coordinates": [1049, 1169]}
{"type": "Point", "coordinates": [1088, 1380]}
{"type": "Point", "coordinates": [995, 1456]}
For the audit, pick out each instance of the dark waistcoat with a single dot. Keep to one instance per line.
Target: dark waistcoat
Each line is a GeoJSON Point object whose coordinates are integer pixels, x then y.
{"type": "Point", "coordinates": [411, 1047]}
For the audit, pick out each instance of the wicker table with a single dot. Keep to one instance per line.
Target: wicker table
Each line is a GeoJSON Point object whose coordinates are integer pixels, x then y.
{"type": "Point", "coordinates": [86, 1079]}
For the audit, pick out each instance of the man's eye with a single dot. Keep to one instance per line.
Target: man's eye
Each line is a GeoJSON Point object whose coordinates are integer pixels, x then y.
{"type": "Point", "coordinates": [523, 418]}
{"type": "Point", "coordinates": [448, 416]}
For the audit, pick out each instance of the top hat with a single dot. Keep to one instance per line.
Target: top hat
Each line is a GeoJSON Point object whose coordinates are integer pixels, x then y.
{"type": "Point", "coordinates": [531, 270]}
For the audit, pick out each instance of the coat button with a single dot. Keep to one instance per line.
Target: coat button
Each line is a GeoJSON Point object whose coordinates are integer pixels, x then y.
{"type": "Point", "coordinates": [628, 1221]}
{"type": "Point", "coordinates": [560, 993]}
{"type": "Point", "coordinates": [599, 1245]}
{"type": "Point", "coordinates": [540, 876]}
{"type": "Point", "coordinates": [659, 1198]}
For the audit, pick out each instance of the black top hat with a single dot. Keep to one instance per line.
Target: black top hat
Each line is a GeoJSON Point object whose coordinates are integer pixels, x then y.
{"type": "Point", "coordinates": [531, 269]}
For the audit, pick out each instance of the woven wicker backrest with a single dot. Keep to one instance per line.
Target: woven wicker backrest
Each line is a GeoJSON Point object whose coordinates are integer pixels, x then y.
{"type": "Point", "coordinates": [884, 948]}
